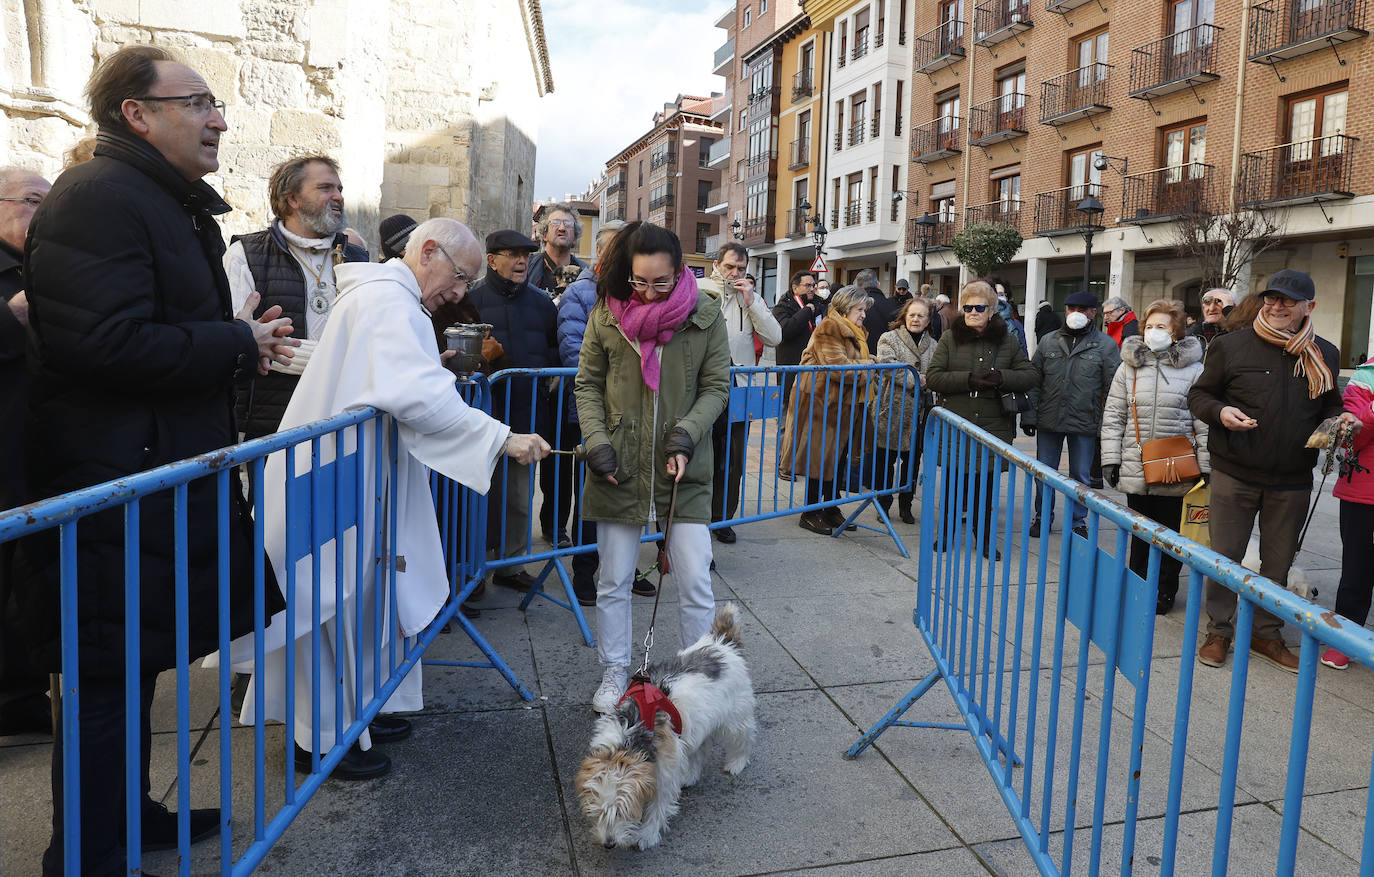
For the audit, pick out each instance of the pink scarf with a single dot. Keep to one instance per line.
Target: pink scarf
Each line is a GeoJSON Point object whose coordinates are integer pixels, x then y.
{"type": "Point", "coordinates": [652, 324]}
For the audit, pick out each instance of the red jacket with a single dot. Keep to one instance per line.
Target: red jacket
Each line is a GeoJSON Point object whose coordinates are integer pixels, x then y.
{"type": "Point", "coordinates": [1358, 485]}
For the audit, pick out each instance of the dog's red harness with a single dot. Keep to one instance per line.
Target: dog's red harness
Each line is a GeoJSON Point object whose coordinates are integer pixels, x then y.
{"type": "Point", "coordinates": [651, 701]}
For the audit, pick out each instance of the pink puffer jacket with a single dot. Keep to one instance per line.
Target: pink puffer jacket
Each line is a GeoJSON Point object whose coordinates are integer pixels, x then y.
{"type": "Point", "coordinates": [1358, 486]}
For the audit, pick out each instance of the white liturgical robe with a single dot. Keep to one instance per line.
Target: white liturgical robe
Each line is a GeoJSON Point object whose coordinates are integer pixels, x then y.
{"type": "Point", "coordinates": [378, 349]}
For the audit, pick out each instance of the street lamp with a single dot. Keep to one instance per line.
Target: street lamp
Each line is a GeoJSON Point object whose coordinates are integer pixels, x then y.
{"type": "Point", "coordinates": [1091, 208]}
{"type": "Point", "coordinates": [737, 230]}
{"type": "Point", "coordinates": [818, 230]}
{"type": "Point", "coordinates": [926, 224]}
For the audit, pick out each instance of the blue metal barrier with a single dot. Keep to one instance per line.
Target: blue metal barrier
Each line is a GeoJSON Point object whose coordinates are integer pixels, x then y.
{"type": "Point", "coordinates": [971, 622]}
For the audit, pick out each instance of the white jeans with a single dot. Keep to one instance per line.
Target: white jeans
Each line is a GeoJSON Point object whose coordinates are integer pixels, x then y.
{"type": "Point", "coordinates": [689, 557]}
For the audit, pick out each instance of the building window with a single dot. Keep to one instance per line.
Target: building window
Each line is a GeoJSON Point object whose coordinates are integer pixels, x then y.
{"type": "Point", "coordinates": [639, 208]}
{"type": "Point", "coordinates": [748, 16]}
{"type": "Point", "coordinates": [704, 152]}
{"type": "Point", "coordinates": [703, 232]}
{"type": "Point", "coordinates": [1091, 52]}
{"type": "Point", "coordinates": [756, 201]}
{"type": "Point", "coordinates": [1006, 191]}
{"type": "Point", "coordinates": [763, 6]}
{"type": "Point", "coordinates": [1083, 176]}
{"type": "Point", "coordinates": [641, 172]}
{"type": "Point", "coordinates": [901, 23]}
{"type": "Point", "coordinates": [1317, 115]}
{"type": "Point", "coordinates": [1185, 145]}
{"type": "Point", "coordinates": [703, 194]}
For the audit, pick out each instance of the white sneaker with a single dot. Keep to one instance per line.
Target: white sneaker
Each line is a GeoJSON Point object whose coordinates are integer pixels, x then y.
{"type": "Point", "coordinates": [613, 683]}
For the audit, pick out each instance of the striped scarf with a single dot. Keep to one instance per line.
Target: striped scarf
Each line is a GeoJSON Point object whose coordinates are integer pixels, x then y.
{"type": "Point", "coordinates": [1303, 345]}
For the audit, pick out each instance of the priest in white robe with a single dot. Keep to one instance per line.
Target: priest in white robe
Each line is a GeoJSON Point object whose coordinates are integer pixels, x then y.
{"type": "Point", "coordinates": [378, 349]}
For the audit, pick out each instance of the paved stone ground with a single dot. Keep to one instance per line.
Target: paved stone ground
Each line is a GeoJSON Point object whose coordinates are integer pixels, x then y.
{"type": "Point", "coordinates": [485, 784]}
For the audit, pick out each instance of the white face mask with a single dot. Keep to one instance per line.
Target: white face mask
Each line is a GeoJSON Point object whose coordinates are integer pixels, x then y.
{"type": "Point", "coordinates": [1076, 320]}
{"type": "Point", "coordinates": [1158, 339]}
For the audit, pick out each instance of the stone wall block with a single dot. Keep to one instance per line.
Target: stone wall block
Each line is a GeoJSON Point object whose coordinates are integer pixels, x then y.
{"type": "Point", "coordinates": [219, 69]}
{"type": "Point", "coordinates": [305, 131]}
{"type": "Point", "coordinates": [220, 18]}
{"type": "Point", "coordinates": [272, 83]}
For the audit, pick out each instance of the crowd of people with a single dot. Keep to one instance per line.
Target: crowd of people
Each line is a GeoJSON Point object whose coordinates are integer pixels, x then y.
{"type": "Point", "coordinates": [124, 308]}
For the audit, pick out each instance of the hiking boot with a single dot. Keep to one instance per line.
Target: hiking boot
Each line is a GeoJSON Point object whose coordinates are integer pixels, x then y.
{"type": "Point", "coordinates": [612, 688]}
{"type": "Point", "coordinates": [816, 523]}
{"type": "Point", "coordinates": [1275, 652]}
{"type": "Point", "coordinates": [1334, 659]}
{"type": "Point", "coordinates": [1214, 649]}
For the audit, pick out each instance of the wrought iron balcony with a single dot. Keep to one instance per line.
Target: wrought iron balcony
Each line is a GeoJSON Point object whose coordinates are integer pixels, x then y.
{"type": "Point", "coordinates": [856, 132]}
{"type": "Point", "coordinates": [853, 213]}
{"type": "Point", "coordinates": [1305, 171]}
{"type": "Point", "coordinates": [801, 154]}
{"type": "Point", "coordinates": [860, 44]}
{"type": "Point", "coordinates": [872, 211]}
{"type": "Point", "coordinates": [1281, 29]}
{"type": "Point", "coordinates": [897, 124]}
{"type": "Point", "coordinates": [1167, 193]}
{"type": "Point", "coordinates": [719, 153]}
{"type": "Point", "coordinates": [797, 222]}
{"type": "Point", "coordinates": [803, 83]}
{"type": "Point", "coordinates": [936, 139]}
{"type": "Point", "coordinates": [1075, 95]}
{"type": "Point", "coordinates": [878, 39]}
{"type": "Point", "coordinates": [940, 48]}
{"type": "Point", "coordinates": [1181, 60]}
{"type": "Point", "coordinates": [997, 20]}
{"type": "Point", "coordinates": [1002, 118]}
{"type": "Point", "coordinates": [1056, 211]}
{"type": "Point", "coordinates": [939, 236]}
{"type": "Point", "coordinates": [1000, 212]}
{"type": "Point", "coordinates": [839, 140]}
{"type": "Point", "coordinates": [875, 127]}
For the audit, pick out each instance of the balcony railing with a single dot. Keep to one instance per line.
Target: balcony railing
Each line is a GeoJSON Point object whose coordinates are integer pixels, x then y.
{"type": "Point", "coordinates": [860, 44]}
{"type": "Point", "coordinates": [1000, 212]}
{"type": "Point", "coordinates": [856, 132]}
{"type": "Point", "coordinates": [1304, 171]}
{"type": "Point", "coordinates": [839, 140]}
{"type": "Point", "coordinates": [937, 237]}
{"type": "Point", "coordinates": [853, 213]}
{"type": "Point", "coordinates": [1056, 211]}
{"type": "Point", "coordinates": [1002, 118]}
{"type": "Point", "coordinates": [872, 211]}
{"type": "Point", "coordinates": [878, 39]}
{"type": "Point", "coordinates": [936, 139]}
{"type": "Point", "coordinates": [796, 222]}
{"type": "Point", "coordinates": [1282, 29]}
{"type": "Point", "coordinates": [1167, 192]}
{"type": "Point", "coordinates": [614, 214]}
{"type": "Point", "coordinates": [803, 83]}
{"type": "Point", "coordinates": [720, 152]}
{"type": "Point", "coordinates": [718, 200]}
{"type": "Point", "coordinates": [1075, 95]}
{"type": "Point", "coordinates": [897, 125]}
{"type": "Point", "coordinates": [615, 186]}
{"type": "Point", "coordinates": [1180, 60]}
{"type": "Point", "coordinates": [940, 48]}
{"type": "Point", "coordinates": [801, 154]}
{"type": "Point", "coordinates": [665, 200]}
{"type": "Point", "coordinates": [759, 162]}
{"type": "Point", "coordinates": [875, 126]}
{"type": "Point", "coordinates": [659, 159]}
{"type": "Point", "coordinates": [842, 55]}
{"type": "Point", "coordinates": [758, 229]}
{"type": "Point", "coordinates": [713, 243]}
{"type": "Point", "coordinates": [724, 55]}
{"type": "Point", "coordinates": [834, 217]}
{"type": "Point", "coordinates": [997, 20]}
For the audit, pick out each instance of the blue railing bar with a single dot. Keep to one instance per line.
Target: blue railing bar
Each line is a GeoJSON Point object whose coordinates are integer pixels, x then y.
{"type": "Point", "coordinates": [1080, 695]}
{"type": "Point", "coordinates": [1235, 722]}
{"type": "Point", "coordinates": [1142, 699]}
{"type": "Point", "coordinates": [183, 675]}
{"type": "Point", "coordinates": [1066, 537]}
{"type": "Point", "coordinates": [71, 706]}
{"type": "Point", "coordinates": [259, 648]}
{"type": "Point", "coordinates": [1183, 704]}
{"type": "Point", "coordinates": [316, 597]}
{"type": "Point", "coordinates": [224, 502]}
{"type": "Point", "coordinates": [1303, 698]}
{"type": "Point", "coordinates": [1013, 712]}
{"type": "Point", "coordinates": [133, 688]}
{"type": "Point", "coordinates": [1033, 699]}
{"type": "Point", "coordinates": [1104, 733]}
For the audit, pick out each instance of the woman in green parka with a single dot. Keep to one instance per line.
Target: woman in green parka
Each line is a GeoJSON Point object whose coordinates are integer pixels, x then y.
{"type": "Point", "coordinates": [653, 376]}
{"type": "Point", "coordinates": [975, 363]}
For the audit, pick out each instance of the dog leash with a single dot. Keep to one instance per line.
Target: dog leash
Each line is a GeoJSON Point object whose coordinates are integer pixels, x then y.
{"type": "Point", "coordinates": [1342, 443]}
{"type": "Point", "coordinates": [642, 674]}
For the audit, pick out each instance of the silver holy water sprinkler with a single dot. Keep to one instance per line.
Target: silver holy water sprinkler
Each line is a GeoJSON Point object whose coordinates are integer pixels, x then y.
{"type": "Point", "coordinates": [466, 338]}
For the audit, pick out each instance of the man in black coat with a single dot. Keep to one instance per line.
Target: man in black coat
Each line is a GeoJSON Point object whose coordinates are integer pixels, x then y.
{"type": "Point", "coordinates": [525, 323]}
{"type": "Point", "coordinates": [24, 707]}
{"type": "Point", "coordinates": [133, 355]}
{"type": "Point", "coordinates": [797, 314]}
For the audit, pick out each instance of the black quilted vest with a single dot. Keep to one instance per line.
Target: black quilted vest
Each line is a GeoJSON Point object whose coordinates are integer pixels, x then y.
{"type": "Point", "coordinates": [280, 280]}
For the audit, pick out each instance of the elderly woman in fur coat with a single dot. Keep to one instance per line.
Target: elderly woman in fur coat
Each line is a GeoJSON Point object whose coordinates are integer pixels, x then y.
{"type": "Point", "coordinates": [900, 411]}
{"type": "Point", "coordinates": [1150, 389]}
{"type": "Point", "coordinates": [975, 363]}
{"type": "Point", "coordinates": [829, 408]}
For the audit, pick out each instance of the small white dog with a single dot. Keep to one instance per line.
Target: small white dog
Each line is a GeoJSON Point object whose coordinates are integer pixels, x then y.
{"type": "Point", "coordinates": [630, 781]}
{"type": "Point", "coordinates": [1298, 582]}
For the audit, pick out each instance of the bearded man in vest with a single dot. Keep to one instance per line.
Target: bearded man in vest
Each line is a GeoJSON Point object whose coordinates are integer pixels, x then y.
{"type": "Point", "coordinates": [291, 264]}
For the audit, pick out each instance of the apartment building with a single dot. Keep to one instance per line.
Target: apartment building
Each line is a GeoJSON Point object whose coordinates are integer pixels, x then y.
{"type": "Point", "coordinates": [664, 177]}
{"type": "Point", "coordinates": [1158, 113]}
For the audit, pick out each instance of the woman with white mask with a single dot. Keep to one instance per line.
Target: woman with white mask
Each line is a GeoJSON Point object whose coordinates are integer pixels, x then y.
{"type": "Point", "coordinates": [1148, 401]}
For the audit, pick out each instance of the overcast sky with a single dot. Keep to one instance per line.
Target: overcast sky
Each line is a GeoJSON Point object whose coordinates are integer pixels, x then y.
{"type": "Point", "coordinates": [615, 63]}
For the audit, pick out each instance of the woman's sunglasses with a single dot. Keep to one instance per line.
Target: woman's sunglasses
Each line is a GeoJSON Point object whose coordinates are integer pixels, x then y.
{"type": "Point", "coordinates": [968, 309]}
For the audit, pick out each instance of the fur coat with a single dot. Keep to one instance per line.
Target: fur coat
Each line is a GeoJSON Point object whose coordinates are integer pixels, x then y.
{"type": "Point", "coordinates": [829, 411]}
{"type": "Point", "coordinates": [1161, 382]}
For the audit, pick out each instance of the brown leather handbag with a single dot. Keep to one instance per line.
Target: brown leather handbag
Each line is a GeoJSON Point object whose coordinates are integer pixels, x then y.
{"type": "Point", "coordinates": [1168, 460]}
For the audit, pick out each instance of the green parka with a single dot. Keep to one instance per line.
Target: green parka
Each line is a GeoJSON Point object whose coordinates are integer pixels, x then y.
{"type": "Point", "coordinates": [615, 406]}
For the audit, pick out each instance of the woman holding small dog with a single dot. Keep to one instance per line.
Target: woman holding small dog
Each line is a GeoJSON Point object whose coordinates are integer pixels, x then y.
{"type": "Point", "coordinates": [827, 408]}
{"type": "Point", "coordinates": [1149, 401]}
{"type": "Point", "coordinates": [653, 376]}
{"type": "Point", "coordinates": [900, 408]}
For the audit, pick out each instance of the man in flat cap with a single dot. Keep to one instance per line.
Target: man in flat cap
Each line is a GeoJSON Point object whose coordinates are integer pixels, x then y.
{"type": "Point", "coordinates": [524, 322]}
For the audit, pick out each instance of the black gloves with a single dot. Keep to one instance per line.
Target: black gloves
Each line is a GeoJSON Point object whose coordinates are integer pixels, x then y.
{"type": "Point", "coordinates": [1111, 472]}
{"type": "Point", "coordinates": [1206, 477]}
{"type": "Point", "coordinates": [679, 442]}
{"type": "Point", "coordinates": [1028, 430]}
{"type": "Point", "coordinates": [987, 379]}
{"type": "Point", "coordinates": [602, 461]}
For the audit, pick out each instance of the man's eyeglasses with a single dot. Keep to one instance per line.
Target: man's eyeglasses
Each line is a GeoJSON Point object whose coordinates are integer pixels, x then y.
{"type": "Point", "coordinates": [28, 199]}
{"type": "Point", "coordinates": [200, 104]}
{"type": "Point", "coordinates": [970, 309]}
{"type": "Point", "coordinates": [458, 276]}
{"type": "Point", "coordinates": [657, 285]}
{"type": "Point", "coordinates": [1278, 299]}
{"type": "Point", "coordinates": [562, 223]}
{"type": "Point", "coordinates": [1213, 300]}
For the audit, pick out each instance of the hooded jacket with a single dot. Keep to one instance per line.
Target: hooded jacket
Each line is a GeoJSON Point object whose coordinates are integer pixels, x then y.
{"type": "Point", "coordinates": [960, 353]}
{"type": "Point", "coordinates": [741, 323]}
{"type": "Point", "coordinates": [1161, 382]}
{"type": "Point", "coordinates": [1357, 485]}
{"type": "Point", "coordinates": [1074, 381]}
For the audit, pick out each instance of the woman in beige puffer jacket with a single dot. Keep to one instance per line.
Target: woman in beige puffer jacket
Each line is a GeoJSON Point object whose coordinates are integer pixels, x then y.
{"type": "Point", "coordinates": [1157, 369]}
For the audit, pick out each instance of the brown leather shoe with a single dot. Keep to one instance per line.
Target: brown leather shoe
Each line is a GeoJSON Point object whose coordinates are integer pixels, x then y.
{"type": "Point", "coordinates": [815, 522]}
{"type": "Point", "coordinates": [1275, 652]}
{"type": "Point", "coordinates": [1214, 649]}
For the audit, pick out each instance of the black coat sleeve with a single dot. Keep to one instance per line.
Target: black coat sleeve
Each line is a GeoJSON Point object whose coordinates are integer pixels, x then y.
{"type": "Point", "coordinates": [93, 279]}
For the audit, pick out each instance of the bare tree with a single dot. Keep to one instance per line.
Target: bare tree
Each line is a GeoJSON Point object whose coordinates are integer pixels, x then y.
{"type": "Point", "coordinates": [1225, 244]}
